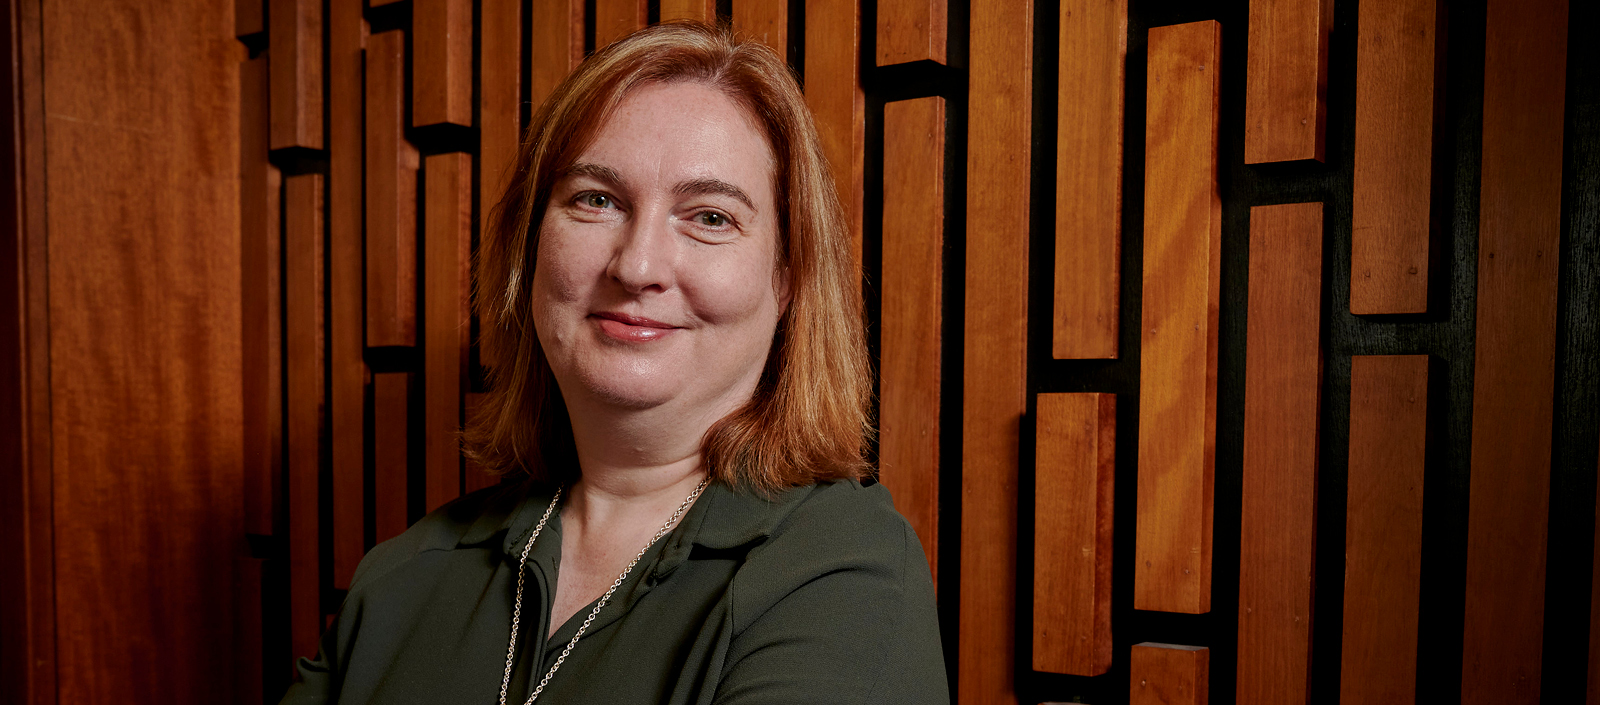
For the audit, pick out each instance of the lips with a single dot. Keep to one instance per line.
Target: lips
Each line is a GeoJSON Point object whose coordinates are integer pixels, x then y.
{"type": "Point", "coordinates": [631, 329]}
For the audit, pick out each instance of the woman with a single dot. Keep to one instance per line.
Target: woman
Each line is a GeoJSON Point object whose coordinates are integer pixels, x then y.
{"type": "Point", "coordinates": [683, 383]}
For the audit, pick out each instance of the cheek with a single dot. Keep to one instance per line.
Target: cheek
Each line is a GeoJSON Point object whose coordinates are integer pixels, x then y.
{"type": "Point", "coordinates": [735, 292]}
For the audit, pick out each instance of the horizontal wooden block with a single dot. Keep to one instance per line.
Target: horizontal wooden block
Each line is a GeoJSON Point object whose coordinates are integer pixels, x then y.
{"type": "Point", "coordinates": [1287, 81]}
{"type": "Point", "coordinates": [1076, 463]}
{"type": "Point", "coordinates": [911, 30]}
{"type": "Point", "coordinates": [294, 41]}
{"type": "Point", "coordinates": [1169, 674]}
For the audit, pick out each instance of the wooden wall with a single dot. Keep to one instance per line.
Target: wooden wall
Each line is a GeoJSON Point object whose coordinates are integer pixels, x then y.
{"type": "Point", "coordinates": [1229, 350]}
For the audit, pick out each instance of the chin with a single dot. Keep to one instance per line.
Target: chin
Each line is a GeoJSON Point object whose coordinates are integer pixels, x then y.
{"type": "Point", "coordinates": [627, 389]}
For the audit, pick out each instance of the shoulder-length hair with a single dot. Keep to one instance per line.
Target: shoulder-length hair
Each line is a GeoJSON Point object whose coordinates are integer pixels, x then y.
{"type": "Point", "coordinates": [808, 419]}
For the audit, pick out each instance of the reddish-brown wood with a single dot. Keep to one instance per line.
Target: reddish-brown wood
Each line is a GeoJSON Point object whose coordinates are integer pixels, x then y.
{"type": "Point", "coordinates": [1169, 674]}
{"type": "Point", "coordinates": [912, 309]}
{"type": "Point", "coordinates": [833, 90]}
{"type": "Point", "coordinates": [1094, 48]}
{"type": "Point", "coordinates": [446, 307]}
{"type": "Point", "coordinates": [994, 342]}
{"type": "Point", "coordinates": [247, 629]}
{"type": "Point", "coordinates": [391, 401]}
{"type": "Point", "coordinates": [702, 10]}
{"type": "Point", "coordinates": [260, 324]}
{"type": "Point", "coordinates": [476, 477]}
{"type": "Point", "coordinates": [347, 372]}
{"type": "Point", "coordinates": [1287, 81]}
{"type": "Point", "coordinates": [764, 20]}
{"type": "Point", "coordinates": [1076, 461]}
{"type": "Point", "coordinates": [1278, 497]}
{"type": "Point", "coordinates": [391, 199]}
{"type": "Point", "coordinates": [1397, 66]}
{"type": "Point", "coordinates": [499, 102]}
{"type": "Point", "coordinates": [615, 19]}
{"type": "Point", "coordinates": [911, 30]}
{"type": "Point", "coordinates": [1519, 225]}
{"type": "Point", "coordinates": [303, 345]}
{"type": "Point", "coordinates": [557, 46]}
{"type": "Point", "coordinates": [249, 17]}
{"type": "Point", "coordinates": [1178, 369]}
{"type": "Point", "coordinates": [1383, 528]}
{"type": "Point", "coordinates": [295, 52]}
{"type": "Point", "coordinates": [441, 62]}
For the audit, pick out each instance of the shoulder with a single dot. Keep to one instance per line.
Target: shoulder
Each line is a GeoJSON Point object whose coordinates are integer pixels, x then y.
{"type": "Point", "coordinates": [482, 512]}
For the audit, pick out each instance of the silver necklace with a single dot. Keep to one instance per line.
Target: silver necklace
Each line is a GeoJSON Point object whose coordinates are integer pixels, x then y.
{"type": "Point", "coordinates": [522, 564]}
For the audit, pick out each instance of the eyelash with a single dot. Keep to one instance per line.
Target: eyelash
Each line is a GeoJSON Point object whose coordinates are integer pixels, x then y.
{"type": "Point", "coordinates": [584, 198]}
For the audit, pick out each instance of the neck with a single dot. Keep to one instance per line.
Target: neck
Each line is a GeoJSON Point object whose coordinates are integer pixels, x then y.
{"type": "Point", "coordinates": [635, 464]}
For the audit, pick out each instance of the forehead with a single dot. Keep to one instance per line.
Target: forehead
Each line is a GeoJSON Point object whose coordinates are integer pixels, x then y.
{"type": "Point", "coordinates": [682, 130]}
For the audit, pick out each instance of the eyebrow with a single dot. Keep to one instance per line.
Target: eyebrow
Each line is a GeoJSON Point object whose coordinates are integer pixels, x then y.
{"type": "Point", "coordinates": [697, 187]}
{"type": "Point", "coordinates": [595, 171]}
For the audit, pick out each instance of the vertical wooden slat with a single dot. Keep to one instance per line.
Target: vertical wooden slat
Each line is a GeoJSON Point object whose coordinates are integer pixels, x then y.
{"type": "Point", "coordinates": [1094, 48]}
{"type": "Point", "coordinates": [249, 17]}
{"type": "Point", "coordinates": [441, 62]}
{"type": "Point", "coordinates": [448, 241]}
{"type": "Point", "coordinates": [248, 687]}
{"type": "Point", "coordinates": [765, 20]}
{"type": "Point", "coordinates": [1178, 370]}
{"type": "Point", "coordinates": [476, 477]}
{"type": "Point", "coordinates": [1519, 225]}
{"type": "Point", "coordinates": [833, 91]}
{"type": "Point", "coordinates": [302, 246]}
{"type": "Point", "coordinates": [1278, 497]}
{"type": "Point", "coordinates": [1287, 82]}
{"type": "Point", "coordinates": [1397, 107]}
{"type": "Point", "coordinates": [1169, 674]}
{"type": "Point", "coordinates": [702, 10]}
{"type": "Point", "coordinates": [391, 399]}
{"type": "Point", "coordinates": [912, 308]}
{"type": "Point", "coordinates": [347, 322]}
{"type": "Point", "coordinates": [499, 101]}
{"type": "Point", "coordinates": [391, 199]}
{"type": "Point", "coordinates": [259, 312]}
{"type": "Point", "coordinates": [557, 46]}
{"type": "Point", "coordinates": [1383, 529]}
{"type": "Point", "coordinates": [911, 30]}
{"type": "Point", "coordinates": [1073, 491]}
{"type": "Point", "coordinates": [615, 19]}
{"type": "Point", "coordinates": [295, 52]}
{"type": "Point", "coordinates": [994, 343]}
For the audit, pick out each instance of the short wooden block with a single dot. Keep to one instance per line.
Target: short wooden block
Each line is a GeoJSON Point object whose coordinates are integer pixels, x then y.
{"type": "Point", "coordinates": [1075, 468]}
{"type": "Point", "coordinates": [391, 199]}
{"type": "Point", "coordinates": [1169, 674]}
{"type": "Point", "coordinates": [294, 40]}
{"type": "Point", "coordinates": [1287, 81]}
{"type": "Point", "coordinates": [441, 62]}
{"type": "Point", "coordinates": [911, 30]}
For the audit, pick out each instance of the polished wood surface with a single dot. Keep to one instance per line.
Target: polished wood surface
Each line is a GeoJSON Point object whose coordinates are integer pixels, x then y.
{"type": "Point", "coordinates": [304, 367]}
{"type": "Point", "coordinates": [615, 19]}
{"type": "Point", "coordinates": [557, 45]}
{"type": "Point", "coordinates": [391, 433]}
{"type": "Point", "coordinates": [912, 30]}
{"type": "Point", "coordinates": [391, 198]}
{"type": "Point", "coordinates": [833, 92]}
{"type": "Point", "coordinates": [702, 10]}
{"type": "Point", "coordinates": [441, 62]}
{"type": "Point", "coordinates": [1074, 487]}
{"type": "Point", "coordinates": [295, 54]}
{"type": "Point", "coordinates": [764, 20]}
{"type": "Point", "coordinates": [347, 372]}
{"type": "Point", "coordinates": [1169, 674]}
{"type": "Point", "coordinates": [1287, 82]}
{"type": "Point", "coordinates": [260, 310]}
{"type": "Point", "coordinates": [447, 252]}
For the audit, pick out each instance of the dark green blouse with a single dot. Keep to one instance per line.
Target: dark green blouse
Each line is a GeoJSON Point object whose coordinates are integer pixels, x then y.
{"type": "Point", "coordinates": [819, 595]}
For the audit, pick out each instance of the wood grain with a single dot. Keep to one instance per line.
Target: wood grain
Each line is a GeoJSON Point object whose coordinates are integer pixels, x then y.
{"type": "Point", "coordinates": [1519, 225]}
{"type": "Point", "coordinates": [1169, 674]}
{"type": "Point", "coordinates": [441, 62]}
{"type": "Point", "coordinates": [1398, 62]}
{"type": "Point", "coordinates": [833, 92]}
{"type": "Point", "coordinates": [303, 352]}
{"type": "Point", "coordinates": [391, 431]}
{"type": "Point", "coordinates": [702, 10]}
{"type": "Point", "coordinates": [260, 340]}
{"type": "Point", "coordinates": [249, 17]}
{"type": "Point", "coordinates": [1383, 528]}
{"type": "Point", "coordinates": [1287, 81]}
{"type": "Point", "coordinates": [447, 307]}
{"type": "Point", "coordinates": [911, 30]}
{"type": "Point", "coordinates": [1178, 367]}
{"type": "Point", "coordinates": [994, 343]}
{"type": "Point", "coordinates": [1076, 462]}
{"type": "Point", "coordinates": [911, 313]}
{"type": "Point", "coordinates": [764, 20]}
{"type": "Point", "coordinates": [294, 41]}
{"type": "Point", "coordinates": [1278, 494]}
{"type": "Point", "coordinates": [347, 372]}
{"type": "Point", "coordinates": [1094, 48]}
{"type": "Point", "coordinates": [615, 19]}
{"type": "Point", "coordinates": [557, 46]}
{"type": "Point", "coordinates": [391, 199]}
{"type": "Point", "coordinates": [499, 99]}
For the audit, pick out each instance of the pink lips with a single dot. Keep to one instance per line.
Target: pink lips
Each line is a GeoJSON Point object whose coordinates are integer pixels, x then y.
{"type": "Point", "coordinates": [632, 329]}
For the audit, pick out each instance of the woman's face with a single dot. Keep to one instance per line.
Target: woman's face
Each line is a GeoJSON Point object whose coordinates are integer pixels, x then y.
{"type": "Point", "coordinates": [656, 279]}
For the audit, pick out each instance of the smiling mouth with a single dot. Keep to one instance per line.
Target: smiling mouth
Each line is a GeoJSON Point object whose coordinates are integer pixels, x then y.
{"type": "Point", "coordinates": [631, 329]}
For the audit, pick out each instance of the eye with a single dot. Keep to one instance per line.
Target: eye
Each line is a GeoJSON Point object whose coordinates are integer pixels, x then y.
{"type": "Point", "coordinates": [711, 219]}
{"type": "Point", "coordinates": [596, 200]}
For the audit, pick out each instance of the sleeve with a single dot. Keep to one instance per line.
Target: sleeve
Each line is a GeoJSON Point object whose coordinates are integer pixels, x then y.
{"type": "Point", "coordinates": [318, 680]}
{"type": "Point", "coordinates": [846, 618]}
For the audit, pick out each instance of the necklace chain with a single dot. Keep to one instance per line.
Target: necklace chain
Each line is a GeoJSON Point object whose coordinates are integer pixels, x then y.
{"type": "Point", "coordinates": [522, 564]}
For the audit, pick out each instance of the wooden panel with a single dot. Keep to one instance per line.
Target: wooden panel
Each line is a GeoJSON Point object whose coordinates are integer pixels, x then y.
{"type": "Point", "coordinates": [247, 629]}
{"type": "Point", "coordinates": [446, 304]}
{"type": "Point", "coordinates": [391, 199]}
{"type": "Point", "coordinates": [476, 477]}
{"type": "Point", "coordinates": [765, 20]}
{"type": "Point", "coordinates": [1076, 463]}
{"type": "Point", "coordinates": [1397, 64]}
{"type": "Point", "coordinates": [1169, 674]}
{"type": "Point", "coordinates": [833, 91]}
{"type": "Point", "coordinates": [249, 17]}
{"type": "Point", "coordinates": [295, 50]}
{"type": "Point", "coordinates": [1285, 103]}
{"type": "Point", "coordinates": [557, 46]}
{"type": "Point", "coordinates": [260, 331]}
{"type": "Point", "coordinates": [1278, 497]}
{"type": "Point", "coordinates": [303, 345]}
{"type": "Point", "coordinates": [441, 62]}
{"type": "Point", "coordinates": [1178, 369]}
{"type": "Point", "coordinates": [1094, 48]}
{"type": "Point", "coordinates": [499, 99]}
{"type": "Point", "coordinates": [1383, 528]}
{"type": "Point", "coordinates": [994, 343]}
{"type": "Point", "coordinates": [142, 476]}
{"type": "Point", "coordinates": [615, 19]}
{"type": "Point", "coordinates": [912, 308]}
{"type": "Point", "coordinates": [1519, 224]}
{"type": "Point", "coordinates": [346, 325]}
{"type": "Point", "coordinates": [391, 399]}
{"type": "Point", "coordinates": [703, 10]}
{"type": "Point", "coordinates": [911, 30]}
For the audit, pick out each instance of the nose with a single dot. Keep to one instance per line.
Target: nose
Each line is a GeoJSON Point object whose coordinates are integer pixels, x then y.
{"type": "Point", "coordinates": [643, 260]}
